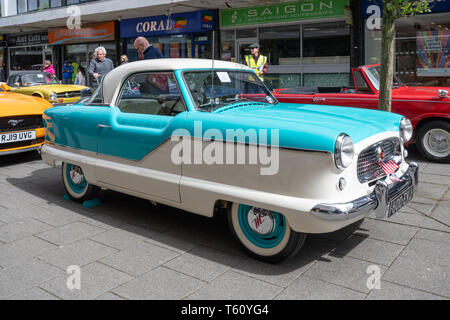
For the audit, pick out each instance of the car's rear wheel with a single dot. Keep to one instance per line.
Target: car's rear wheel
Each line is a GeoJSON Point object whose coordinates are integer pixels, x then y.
{"type": "Point", "coordinates": [433, 141]}
{"type": "Point", "coordinates": [75, 183]}
{"type": "Point", "coordinates": [264, 234]}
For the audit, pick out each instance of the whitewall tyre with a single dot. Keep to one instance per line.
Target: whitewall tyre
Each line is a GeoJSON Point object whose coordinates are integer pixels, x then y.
{"type": "Point", "coordinates": [433, 141]}
{"type": "Point", "coordinates": [75, 183]}
{"type": "Point", "coordinates": [264, 234]}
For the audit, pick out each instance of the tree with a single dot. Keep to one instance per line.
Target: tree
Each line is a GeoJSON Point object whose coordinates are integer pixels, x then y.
{"type": "Point", "coordinates": [392, 10]}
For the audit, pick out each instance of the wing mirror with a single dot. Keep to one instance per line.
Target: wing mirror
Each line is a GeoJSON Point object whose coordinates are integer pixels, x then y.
{"type": "Point", "coordinates": [16, 84]}
{"type": "Point", "coordinates": [5, 87]}
{"type": "Point", "coordinates": [443, 94]}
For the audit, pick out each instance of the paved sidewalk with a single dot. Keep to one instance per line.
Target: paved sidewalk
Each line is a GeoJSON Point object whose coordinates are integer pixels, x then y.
{"type": "Point", "coordinates": [129, 249]}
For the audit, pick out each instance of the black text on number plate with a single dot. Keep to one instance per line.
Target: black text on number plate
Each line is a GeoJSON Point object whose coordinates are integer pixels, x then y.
{"type": "Point", "coordinates": [399, 201]}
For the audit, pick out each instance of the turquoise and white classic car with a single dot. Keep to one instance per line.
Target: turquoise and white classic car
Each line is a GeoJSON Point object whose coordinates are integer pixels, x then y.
{"type": "Point", "coordinates": [208, 137]}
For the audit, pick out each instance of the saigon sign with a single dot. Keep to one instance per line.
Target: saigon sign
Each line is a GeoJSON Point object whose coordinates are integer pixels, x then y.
{"type": "Point", "coordinates": [283, 12]}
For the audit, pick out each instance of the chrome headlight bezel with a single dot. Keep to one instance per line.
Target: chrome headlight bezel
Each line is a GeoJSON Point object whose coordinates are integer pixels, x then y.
{"type": "Point", "coordinates": [52, 96]}
{"type": "Point", "coordinates": [406, 129]}
{"type": "Point", "coordinates": [344, 151]}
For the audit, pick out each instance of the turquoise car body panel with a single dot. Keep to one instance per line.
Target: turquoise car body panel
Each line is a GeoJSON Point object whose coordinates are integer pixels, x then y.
{"type": "Point", "coordinates": [133, 136]}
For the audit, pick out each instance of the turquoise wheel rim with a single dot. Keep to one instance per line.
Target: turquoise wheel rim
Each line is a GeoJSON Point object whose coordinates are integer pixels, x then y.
{"type": "Point", "coordinates": [74, 186]}
{"type": "Point", "coordinates": [268, 240]}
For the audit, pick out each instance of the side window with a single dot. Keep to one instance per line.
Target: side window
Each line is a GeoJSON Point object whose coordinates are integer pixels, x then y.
{"type": "Point", "coordinates": [154, 93]}
{"type": "Point", "coordinates": [361, 84]}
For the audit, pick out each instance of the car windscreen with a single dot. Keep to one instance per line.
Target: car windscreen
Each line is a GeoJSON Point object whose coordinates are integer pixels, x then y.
{"type": "Point", "coordinates": [212, 89]}
{"type": "Point", "coordinates": [39, 78]}
{"type": "Point", "coordinates": [374, 73]}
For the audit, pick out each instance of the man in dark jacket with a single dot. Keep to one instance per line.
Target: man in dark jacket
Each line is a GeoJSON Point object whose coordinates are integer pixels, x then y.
{"type": "Point", "coordinates": [146, 50]}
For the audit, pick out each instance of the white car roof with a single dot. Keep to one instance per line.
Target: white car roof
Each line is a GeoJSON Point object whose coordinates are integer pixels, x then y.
{"type": "Point", "coordinates": [114, 78]}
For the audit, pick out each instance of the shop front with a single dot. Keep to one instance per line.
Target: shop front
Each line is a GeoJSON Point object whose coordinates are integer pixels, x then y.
{"type": "Point", "coordinates": [307, 43]}
{"type": "Point", "coordinates": [77, 45]}
{"type": "Point", "coordinates": [422, 45]}
{"type": "Point", "coordinates": [181, 35]}
{"type": "Point", "coordinates": [3, 46]}
{"type": "Point", "coordinates": [28, 51]}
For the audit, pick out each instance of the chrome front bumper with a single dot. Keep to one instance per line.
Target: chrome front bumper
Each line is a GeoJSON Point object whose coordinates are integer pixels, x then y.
{"type": "Point", "coordinates": [378, 200]}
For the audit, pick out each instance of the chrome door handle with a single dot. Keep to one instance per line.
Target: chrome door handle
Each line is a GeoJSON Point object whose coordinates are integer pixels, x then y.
{"type": "Point", "coordinates": [103, 126]}
{"type": "Point", "coordinates": [318, 99]}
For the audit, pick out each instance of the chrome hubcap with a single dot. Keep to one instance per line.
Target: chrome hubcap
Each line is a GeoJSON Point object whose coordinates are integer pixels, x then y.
{"type": "Point", "coordinates": [261, 221]}
{"type": "Point", "coordinates": [437, 142]}
{"type": "Point", "coordinates": [76, 175]}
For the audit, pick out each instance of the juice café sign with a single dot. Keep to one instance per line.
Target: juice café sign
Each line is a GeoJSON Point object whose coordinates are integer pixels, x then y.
{"type": "Point", "coordinates": [283, 12]}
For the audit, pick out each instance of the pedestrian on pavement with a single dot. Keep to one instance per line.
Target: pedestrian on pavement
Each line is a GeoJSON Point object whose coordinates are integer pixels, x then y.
{"type": "Point", "coordinates": [48, 67]}
{"type": "Point", "coordinates": [257, 61]}
{"type": "Point", "coordinates": [146, 50]}
{"type": "Point", "coordinates": [99, 66]}
{"type": "Point", "coordinates": [80, 78]}
{"type": "Point", "coordinates": [123, 59]}
{"type": "Point", "coordinates": [67, 73]}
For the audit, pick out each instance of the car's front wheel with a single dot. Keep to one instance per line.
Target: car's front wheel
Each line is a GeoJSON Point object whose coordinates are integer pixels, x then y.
{"type": "Point", "coordinates": [264, 234]}
{"type": "Point", "coordinates": [75, 183]}
{"type": "Point", "coordinates": [433, 141]}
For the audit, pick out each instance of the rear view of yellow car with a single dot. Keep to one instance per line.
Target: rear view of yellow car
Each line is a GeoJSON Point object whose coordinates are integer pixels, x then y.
{"type": "Point", "coordinates": [44, 85]}
{"type": "Point", "coordinates": [21, 127]}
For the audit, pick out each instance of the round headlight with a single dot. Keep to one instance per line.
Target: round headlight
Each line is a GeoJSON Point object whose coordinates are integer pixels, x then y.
{"type": "Point", "coordinates": [343, 151]}
{"type": "Point", "coordinates": [406, 129]}
{"type": "Point", "coordinates": [53, 96]}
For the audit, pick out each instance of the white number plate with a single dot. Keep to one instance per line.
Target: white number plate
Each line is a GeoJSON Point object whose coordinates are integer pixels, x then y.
{"type": "Point", "coordinates": [17, 136]}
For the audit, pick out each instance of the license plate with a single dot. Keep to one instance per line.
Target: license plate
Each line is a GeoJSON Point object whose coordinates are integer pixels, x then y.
{"type": "Point", "coordinates": [17, 136]}
{"type": "Point", "coordinates": [399, 201]}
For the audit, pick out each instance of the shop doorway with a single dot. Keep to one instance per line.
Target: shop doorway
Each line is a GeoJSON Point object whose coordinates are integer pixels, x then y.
{"type": "Point", "coordinates": [242, 47]}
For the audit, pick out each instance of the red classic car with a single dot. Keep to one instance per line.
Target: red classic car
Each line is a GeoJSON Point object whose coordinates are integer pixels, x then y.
{"type": "Point", "coordinates": [428, 108]}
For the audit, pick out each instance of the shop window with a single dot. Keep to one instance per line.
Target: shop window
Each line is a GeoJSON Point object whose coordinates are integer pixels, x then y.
{"type": "Point", "coordinates": [21, 6]}
{"type": "Point", "coordinates": [246, 33]}
{"type": "Point", "coordinates": [281, 45]}
{"type": "Point", "coordinates": [32, 5]}
{"type": "Point", "coordinates": [55, 3]}
{"type": "Point", "coordinates": [69, 2]}
{"type": "Point", "coordinates": [282, 80]}
{"type": "Point", "coordinates": [227, 45]}
{"type": "Point", "coordinates": [422, 50]}
{"type": "Point", "coordinates": [326, 43]}
{"type": "Point", "coordinates": [326, 79]}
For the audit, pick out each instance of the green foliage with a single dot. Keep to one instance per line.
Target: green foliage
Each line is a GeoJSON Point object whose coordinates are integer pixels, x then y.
{"type": "Point", "coordinates": [403, 8]}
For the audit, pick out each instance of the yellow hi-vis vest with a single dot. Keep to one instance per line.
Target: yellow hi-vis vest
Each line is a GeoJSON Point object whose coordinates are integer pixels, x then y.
{"type": "Point", "coordinates": [258, 67]}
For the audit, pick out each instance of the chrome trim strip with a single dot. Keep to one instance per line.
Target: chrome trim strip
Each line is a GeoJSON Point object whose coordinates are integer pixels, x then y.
{"type": "Point", "coordinates": [304, 95]}
{"type": "Point", "coordinates": [377, 200]}
{"type": "Point", "coordinates": [18, 150]}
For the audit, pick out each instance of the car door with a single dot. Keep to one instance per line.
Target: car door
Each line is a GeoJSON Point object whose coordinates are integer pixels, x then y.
{"type": "Point", "coordinates": [134, 145]}
{"type": "Point", "coordinates": [361, 96]}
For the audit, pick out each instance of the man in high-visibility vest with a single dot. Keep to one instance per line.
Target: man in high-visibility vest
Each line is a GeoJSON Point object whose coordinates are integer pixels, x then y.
{"type": "Point", "coordinates": [257, 61]}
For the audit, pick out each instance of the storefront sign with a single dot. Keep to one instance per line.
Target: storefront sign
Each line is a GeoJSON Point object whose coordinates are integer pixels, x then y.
{"type": "Point", "coordinates": [27, 39]}
{"type": "Point", "coordinates": [434, 5]}
{"type": "Point", "coordinates": [433, 53]}
{"type": "Point", "coordinates": [283, 12]}
{"type": "Point", "coordinates": [198, 21]}
{"type": "Point", "coordinates": [88, 33]}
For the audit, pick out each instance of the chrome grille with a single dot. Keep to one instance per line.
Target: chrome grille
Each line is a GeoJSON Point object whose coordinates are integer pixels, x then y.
{"type": "Point", "coordinates": [368, 168]}
{"type": "Point", "coordinates": [69, 94]}
{"type": "Point", "coordinates": [18, 123]}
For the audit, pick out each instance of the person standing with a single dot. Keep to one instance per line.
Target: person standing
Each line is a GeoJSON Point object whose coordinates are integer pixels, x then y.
{"type": "Point", "coordinates": [257, 61]}
{"type": "Point", "coordinates": [48, 67]}
{"type": "Point", "coordinates": [67, 73]}
{"type": "Point", "coordinates": [123, 59]}
{"type": "Point", "coordinates": [146, 50]}
{"type": "Point", "coordinates": [80, 79]}
{"type": "Point", "coordinates": [99, 66]}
